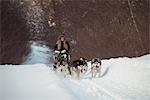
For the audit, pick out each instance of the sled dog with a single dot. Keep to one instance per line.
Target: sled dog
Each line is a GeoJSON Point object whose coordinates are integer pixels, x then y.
{"type": "Point", "coordinates": [61, 67]}
{"type": "Point", "coordinates": [96, 67]}
{"type": "Point", "coordinates": [78, 67]}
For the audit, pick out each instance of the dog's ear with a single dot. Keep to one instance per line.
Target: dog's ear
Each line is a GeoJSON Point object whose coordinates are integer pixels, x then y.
{"type": "Point", "coordinates": [93, 60]}
{"type": "Point", "coordinates": [97, 59]}
{"type": "Point", "coordinates": [86, 61]}
{"type": "Point", "coordinates": [81, 58]}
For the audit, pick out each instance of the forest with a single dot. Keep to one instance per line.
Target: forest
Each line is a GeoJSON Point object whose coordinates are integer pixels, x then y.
{"type": "Point", "coordinates": [94, 28]}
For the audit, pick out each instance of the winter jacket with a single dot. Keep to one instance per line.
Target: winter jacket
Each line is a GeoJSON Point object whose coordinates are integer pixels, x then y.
{"type": "Point", "coordinates": [62, 45]}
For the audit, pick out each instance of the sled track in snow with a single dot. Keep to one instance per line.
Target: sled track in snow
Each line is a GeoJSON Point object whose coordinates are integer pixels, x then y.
{"type": "Point", "coordinates": [88, 88]}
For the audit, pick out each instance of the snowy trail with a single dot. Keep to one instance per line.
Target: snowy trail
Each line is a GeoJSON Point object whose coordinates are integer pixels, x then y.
{"type": "Point", "coordinates": [121, 79]}
{"type": "Point", "coordinates": [124, 81]}
{"type": "Point", "coordinates": [39, 82]}
{"type": "Point", "coordinates": [39, 54]}
{"type": "Point", "coordinates": [36, 82]}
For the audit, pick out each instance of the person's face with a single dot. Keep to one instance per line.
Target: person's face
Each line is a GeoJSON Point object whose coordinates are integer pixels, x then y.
{"type": "Point", "coordinates": [62, 38]}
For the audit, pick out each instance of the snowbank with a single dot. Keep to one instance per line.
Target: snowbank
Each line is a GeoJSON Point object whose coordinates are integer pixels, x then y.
{"type": "Point", "coordinates": [39, 54]}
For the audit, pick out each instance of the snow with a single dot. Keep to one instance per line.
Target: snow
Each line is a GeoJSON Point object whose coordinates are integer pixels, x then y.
{"type": "Point", "coordinates": [121, 79]}
{"type": "Point", "coordinates": [39, 54]}
{"type": "Point", "coordinates": [36, 82]}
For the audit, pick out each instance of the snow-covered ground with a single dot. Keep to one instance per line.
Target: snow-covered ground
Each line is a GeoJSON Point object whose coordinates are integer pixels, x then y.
{"type": "Point", "coordinates": [121, 79]}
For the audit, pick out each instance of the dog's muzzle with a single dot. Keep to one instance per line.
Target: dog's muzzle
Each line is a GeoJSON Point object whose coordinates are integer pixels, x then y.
{"type": "Point", "coordinates": [97, 66]}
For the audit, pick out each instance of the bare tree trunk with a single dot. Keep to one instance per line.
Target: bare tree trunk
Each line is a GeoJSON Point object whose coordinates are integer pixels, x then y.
{"type": "Point", "coordinates": [135, 24]}
{"type": "Point", "coordinates": [56, 17]}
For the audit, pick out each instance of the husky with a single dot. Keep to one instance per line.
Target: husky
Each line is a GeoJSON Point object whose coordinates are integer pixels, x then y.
{"type": "Point", "coordinates": [60, 59]}
{"type": "Point", "coordinates": [61, 55]}
{"type": "Point", "coordinates": [78, 67]}
{"type": "Point", "coordinates": [84, 64]}
{"type": "Point", "coordinates": [61, 68]}
{"type": "Point", "coordinates": [96, 67]}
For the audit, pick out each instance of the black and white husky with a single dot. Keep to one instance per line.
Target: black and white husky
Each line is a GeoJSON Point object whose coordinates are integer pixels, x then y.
{"type": "Point", "coordinates": [60, 62]}
{"type": "Point", "coordinates": [96, 67]}
{"type": "Point", "coordinates": [61, 67]}
{"type": "Point", "coordinates": [78, 67]}
{"type": "Point", "coordinates": [61, 55]}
